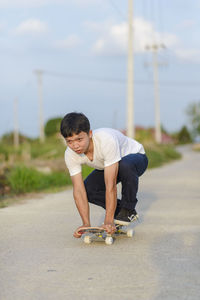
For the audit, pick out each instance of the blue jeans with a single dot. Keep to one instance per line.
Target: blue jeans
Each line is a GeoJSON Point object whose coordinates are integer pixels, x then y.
{"type": "Point", "coordinates": [130, 168]}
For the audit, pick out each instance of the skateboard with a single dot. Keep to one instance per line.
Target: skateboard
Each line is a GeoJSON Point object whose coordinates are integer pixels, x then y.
{"type": "Point", "coordinates": [98, 233]}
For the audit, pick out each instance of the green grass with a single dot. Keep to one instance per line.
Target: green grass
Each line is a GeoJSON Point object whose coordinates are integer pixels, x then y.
{"type": "Point", "coordinates": [22, 179]}
{"type": "Point", "coordinates": [53, 147]}
{"type": "Point", "coordinates": [86, 170]}
{"type": "Point", "coordinates": [7, 150]}
{"type": "Point", "coordinates": [158, 155]}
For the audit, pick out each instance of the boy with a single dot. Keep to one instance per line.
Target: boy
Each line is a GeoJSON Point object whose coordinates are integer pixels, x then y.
{"type": "Point", "coordinates": [115, 157]}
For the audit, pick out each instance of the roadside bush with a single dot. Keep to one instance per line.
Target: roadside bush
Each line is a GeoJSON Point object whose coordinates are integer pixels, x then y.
{"type": "Point", "coordinates": [52, 148]}
{"type": "Point", "coordinates": [161, 154]}
{"type": "Point", "coordinates": [8, 138]}
{"type": "Point", "coordinates": [24, 180]}
{"type": "Point", "coordinates": [144, 135]}
{"type": "Point", "coordinates": [4, 151]}
{"type": "Point", "coordinates": [184, 136]}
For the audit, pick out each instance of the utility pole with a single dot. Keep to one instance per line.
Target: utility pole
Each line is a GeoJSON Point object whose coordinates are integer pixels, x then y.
{"type": "Point", "coordinates": [16, 124]}
{"type": "Point", "coordinates": [154, 48]}
{"type": "Point", "coordinates": [130, 91]}
{"type": "Point", "coordinates": [156, 95]}
{"type": "Point", "coordinates": [39, 74]}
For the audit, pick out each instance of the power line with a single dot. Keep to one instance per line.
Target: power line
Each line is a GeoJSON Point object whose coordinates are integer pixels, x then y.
{"type": "Point", "coordinates": [119, 80]}
{"type": "Point", "coordinates": [161, 16]}
{"type": "Point", "coordinates": [117, 9]}
{"type": "Point", "coordinates": [83, 77]}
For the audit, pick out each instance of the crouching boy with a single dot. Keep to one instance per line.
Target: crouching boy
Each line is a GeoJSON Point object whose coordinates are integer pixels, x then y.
{"type": "Point", "coordinates": [115, 158]}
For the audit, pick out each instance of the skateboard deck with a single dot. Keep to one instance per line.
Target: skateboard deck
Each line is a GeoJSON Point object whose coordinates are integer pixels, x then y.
{"type": "Point", "coordinates": [98, 233]}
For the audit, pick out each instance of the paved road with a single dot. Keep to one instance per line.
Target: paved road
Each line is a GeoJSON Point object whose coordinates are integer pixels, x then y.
{"type": "Point", "coordinates": [39, 258]}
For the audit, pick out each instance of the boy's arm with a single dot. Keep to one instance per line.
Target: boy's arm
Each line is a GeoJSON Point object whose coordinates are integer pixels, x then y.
{"type": "Point", "coordinates": [80, 198]}
{"type": "Point", "coordinates": [110, 174]}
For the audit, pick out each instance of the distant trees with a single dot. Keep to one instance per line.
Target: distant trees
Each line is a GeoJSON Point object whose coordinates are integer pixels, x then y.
{"type": "Point", "coordinates": [184, 136]}
{"type": "Point", "coordinates": [52, 126]}
{"type": "Point", "coordinates": [193, 112]}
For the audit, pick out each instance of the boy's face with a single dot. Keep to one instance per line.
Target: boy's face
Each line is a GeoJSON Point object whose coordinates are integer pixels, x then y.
{"type": "Point", "coordinates": [79, 143]}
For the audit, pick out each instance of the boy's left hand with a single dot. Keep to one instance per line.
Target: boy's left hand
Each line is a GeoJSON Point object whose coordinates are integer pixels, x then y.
{"type": "Point", "coordinates": [109, 227]}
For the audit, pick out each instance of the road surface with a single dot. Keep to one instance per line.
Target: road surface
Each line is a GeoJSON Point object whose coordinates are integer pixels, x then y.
{"type": "Point", "coordinates": [40, 259]}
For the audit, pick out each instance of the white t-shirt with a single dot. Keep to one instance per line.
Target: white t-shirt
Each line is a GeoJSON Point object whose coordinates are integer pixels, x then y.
{"type": "Point", "coordinates": [110, 146]}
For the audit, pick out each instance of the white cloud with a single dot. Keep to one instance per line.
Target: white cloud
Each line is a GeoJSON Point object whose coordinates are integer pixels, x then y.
{"type": "Point", "coordinates": [1, 27]}
{"type": "Point", "coordinates": [100, 27]}
{"type": "Point", "coordinates": [70, 42]}
{"type": "Point", "coordinates": [113, 39]}
{"type": "Point", "coordinates": [170, 40]}
{"type": "Point", "coordinates": [187, 24]}
{"type": "Point", "coordinates": [188, 55]}
{"type": "Point", "coordinates": [31, 26]}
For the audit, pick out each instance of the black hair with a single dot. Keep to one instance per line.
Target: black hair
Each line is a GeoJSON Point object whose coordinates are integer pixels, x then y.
{"type": "Point", "coordinates": [74, 123]}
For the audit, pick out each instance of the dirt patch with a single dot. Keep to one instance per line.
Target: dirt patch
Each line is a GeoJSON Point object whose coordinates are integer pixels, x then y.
{"type": "Point", "coordinates": [196, 147]}
{"type": "Point", "coordinates": [47, 166]}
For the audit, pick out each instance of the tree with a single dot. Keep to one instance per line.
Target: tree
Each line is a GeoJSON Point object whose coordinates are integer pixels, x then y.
{"type": "Point", "coordinates": [184, 136]}
{"type": "Point", "coordinates": [52, 126]}
{"type": "Point", "coordinates": [193, 112]}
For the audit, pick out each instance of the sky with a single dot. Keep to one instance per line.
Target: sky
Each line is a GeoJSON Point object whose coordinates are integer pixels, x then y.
{"type": "Point", "coordinates": [81, 47]}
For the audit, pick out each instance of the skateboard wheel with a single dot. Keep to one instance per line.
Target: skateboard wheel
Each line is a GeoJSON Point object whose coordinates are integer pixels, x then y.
{"type": "Point", "coordinates": [130, 232]}
{"type": "Point", "coordinates": [109, 240]}
{"type": "Point", "coordinates": [87, 239]}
